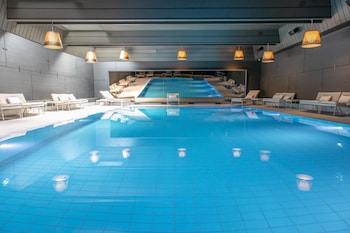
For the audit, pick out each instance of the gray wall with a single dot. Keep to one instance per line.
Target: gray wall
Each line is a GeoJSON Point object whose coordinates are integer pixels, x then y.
{"type": "Point", "coordinates": [27, 67]}
{"type": "Point", "coordinates": [309, 71]}
{"type": "Point", "coordinates": [102, 69]}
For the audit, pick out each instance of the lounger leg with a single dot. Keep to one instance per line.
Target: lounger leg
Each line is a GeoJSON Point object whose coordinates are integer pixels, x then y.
{"type": "Point", "coordinates": [20, 113]}
{"type": "Point", "coordinates": [2, 115]}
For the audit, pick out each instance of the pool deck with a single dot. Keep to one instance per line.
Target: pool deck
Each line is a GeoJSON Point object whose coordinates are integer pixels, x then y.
{"type": "Point", "coordinates": [16, 125]}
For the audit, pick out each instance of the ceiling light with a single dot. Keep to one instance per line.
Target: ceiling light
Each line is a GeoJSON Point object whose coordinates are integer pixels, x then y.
{"type": "Point", "coordinates": [268, 56]}
{"type": "Point", "coordinates": [239, 55]}
{"type": "Point", "coordinates": [90, 57]}
{"type": "Point", "coordinates": [312, 39]}
{"type": "Point", "coordinates": [124, 55]}
{"type": "Point", "coordinates": [181, 55]}
{"type": "Point", "coordinates": [53, 40]}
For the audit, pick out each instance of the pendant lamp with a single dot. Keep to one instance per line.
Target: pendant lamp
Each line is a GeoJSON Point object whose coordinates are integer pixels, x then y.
{"type": "Point", "coordinates": [312, 39]}
{"type": "Point", "coordinates": [124, 55]}
{"type": "Point", "coordinates": [239, 55]}
{"type": "Point", "coordinates": [53, 40]}
{"type": "Point", "coordinates": [90, 57]}
{"type": "Point", "coordinates": [181, 55]}
{"type": "Point", "coordinates": [268, 56]}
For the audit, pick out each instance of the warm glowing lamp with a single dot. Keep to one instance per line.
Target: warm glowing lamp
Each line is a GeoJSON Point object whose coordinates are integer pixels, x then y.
{"type": "Point", "coordinates": [181, 55]}
{"type": "Point", "coordinates": [268, 56]}
{"type": "Point", "coordinates": [239, 55]}
{"type": "Point", "coordinates": [124, 55]}
{"type": "Point", "coordinates": [53, 40]}
{"type": "Point", "coordinates": [90, 57]}
{"type": "Point", "coordinates": [312, 39]}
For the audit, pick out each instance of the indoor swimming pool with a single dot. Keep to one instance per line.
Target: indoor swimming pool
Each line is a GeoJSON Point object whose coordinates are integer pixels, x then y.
{"type": "Point", "coordinates": [186, 87]}
{"type": "Point", "coordinates": [178, 169]}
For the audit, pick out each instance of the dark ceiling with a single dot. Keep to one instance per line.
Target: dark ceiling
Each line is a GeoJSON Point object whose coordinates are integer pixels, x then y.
{"type": "Point", "coordinates": [153, 30]}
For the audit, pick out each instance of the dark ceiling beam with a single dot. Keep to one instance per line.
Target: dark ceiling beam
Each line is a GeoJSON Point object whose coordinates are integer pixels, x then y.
{"type": "Point", "coordinates": [172, 37]}
{"type": "Point", "coordinates": [167, 10]}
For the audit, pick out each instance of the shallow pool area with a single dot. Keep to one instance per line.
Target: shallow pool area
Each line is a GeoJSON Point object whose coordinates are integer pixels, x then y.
{"type": "Point", "coordinates": [178, 169]}
{"type": "Point", "coordinates": [186, 87]}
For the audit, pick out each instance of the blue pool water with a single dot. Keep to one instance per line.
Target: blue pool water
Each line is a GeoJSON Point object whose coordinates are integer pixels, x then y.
{"type": "Point", "coordinates": [186, 87]}
{"type": "Point", "coordinates": [178, 169]}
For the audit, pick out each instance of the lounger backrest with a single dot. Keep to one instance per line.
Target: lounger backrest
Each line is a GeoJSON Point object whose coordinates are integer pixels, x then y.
{"type": "Point", "coordinates": [106, 95]}
{"type": "Point", "coordinates": [252, 94]}
{"type": "Point", "coordinates": [12, 98]}
{"type": "Point", "coordinates": [63, 97]}
{"type": "Point", "coordinates": [328, 96]}
{"type": "Point", "coordinates": [71, 97]}
{"type": "Point", "coordinates": [288, 96]}
{"type": "Point", "coordinates": [278, 96]}
{"type": "Point", "coordinates": [344, 98]}
{"type": "Point", "coordinates": [55, 97]}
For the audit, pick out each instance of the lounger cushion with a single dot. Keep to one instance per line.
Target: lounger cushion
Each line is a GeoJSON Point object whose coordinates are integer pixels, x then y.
{"type": "Point", "coordinates": [287, 97]}
{"type": "Point", "coordinates": [63, 98]}
{"type": "Point", "coordinates": [13, 100]}
{"type": "Point", "coordinates": [3, 101]}
{"type": "Point", "coordinates": [71, 97]}
{"type": "Point", "coordinates": [325, 98]}
{"type": "Point", "coordinates": [344, 99]}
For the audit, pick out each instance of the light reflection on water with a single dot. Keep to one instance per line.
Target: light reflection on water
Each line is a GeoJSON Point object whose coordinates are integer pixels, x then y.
{"type": "Point", "coordinates": [187, 168]}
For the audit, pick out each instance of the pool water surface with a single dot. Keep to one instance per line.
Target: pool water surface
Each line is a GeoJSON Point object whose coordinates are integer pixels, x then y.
{"type": "Point", "coordinates": [186, 87]}
{"type": "Point", "coordinates": [178, 169]}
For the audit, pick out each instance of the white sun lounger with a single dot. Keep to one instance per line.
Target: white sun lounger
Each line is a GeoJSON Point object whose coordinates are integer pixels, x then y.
{"type": "Point", "coordinates": [108, 98]}
{"type": "Point", "coordinates": [323, 99]}
{"type": "Point", "coordinates": [18, 103]}
{"type": "Point", "coordinates": [252, 94]}
{"type": "Point", "coordinates": [67, 101]}
{"type": "Point", "coordinates": [279, 99]}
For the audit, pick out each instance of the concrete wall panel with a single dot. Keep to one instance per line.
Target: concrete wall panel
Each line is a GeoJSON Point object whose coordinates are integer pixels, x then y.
{"type": "Point", "coordinates": [35, 71]}
{"type": "Point", "coordinates": [309, 71]}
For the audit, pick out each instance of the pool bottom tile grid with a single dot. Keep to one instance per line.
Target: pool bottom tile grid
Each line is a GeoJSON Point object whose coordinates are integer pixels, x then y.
{"type": "Point", "coordinates": [176, 185]}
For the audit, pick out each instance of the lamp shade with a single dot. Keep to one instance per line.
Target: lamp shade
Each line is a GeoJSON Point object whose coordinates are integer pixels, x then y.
{"type": "Point", "coordinates": [181, 55]}
{"type": "Point", "coordinates": [90, 57]}
{"type": "Point", "coordinates": [124, 55]}
{"type": "Point", "coordinates": [312, 39]}
{"type": "Point", "coordinates": [268, 57]}
{"type": "Point", "coordinates": [53, 40]}
{"type": "Point", "coordinates": [239, 55]}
